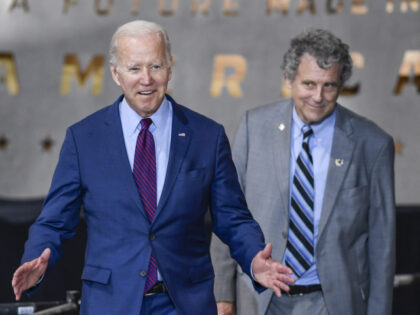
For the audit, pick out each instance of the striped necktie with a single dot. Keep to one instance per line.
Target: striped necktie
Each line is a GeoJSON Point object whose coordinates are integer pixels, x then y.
{"type": "Point", "coordinates": [300, 243]}
{"type": "Point", "coordinates": [144, 171]}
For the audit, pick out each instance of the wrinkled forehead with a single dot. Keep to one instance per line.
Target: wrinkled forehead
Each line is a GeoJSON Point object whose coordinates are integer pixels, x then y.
{"type": "Point", "coordinates": [151, 45]}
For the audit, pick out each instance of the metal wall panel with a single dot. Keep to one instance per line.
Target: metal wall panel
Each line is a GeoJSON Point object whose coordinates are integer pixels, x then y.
{"type": "Point", "coordinates": [36, 37]}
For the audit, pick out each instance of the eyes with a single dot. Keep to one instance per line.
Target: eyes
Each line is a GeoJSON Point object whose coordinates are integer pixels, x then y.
{"type": "Point", "coordinates": [328, 86]}
{"type": "Point", "coordinates": [153, 68]}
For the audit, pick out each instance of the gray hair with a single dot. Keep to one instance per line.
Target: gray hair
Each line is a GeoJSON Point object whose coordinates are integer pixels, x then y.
{"type": "Point", "coordinates": [138, 28]}
{"type": "Point", "coordinates": [322, 45]}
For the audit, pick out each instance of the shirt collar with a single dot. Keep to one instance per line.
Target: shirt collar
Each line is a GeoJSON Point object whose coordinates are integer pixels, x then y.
{"type": "Point", "coordinates": [320, 130]}
{"type": "Point", "coordinates": [132, 118]}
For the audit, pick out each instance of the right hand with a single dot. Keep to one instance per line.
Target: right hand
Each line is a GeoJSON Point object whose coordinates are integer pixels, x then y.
{"type": "Point", "coordinates": [270, 273]}
{"type": "Point", "coordinates": [225, 308]}
{"type": "Point", "coordinates": [27, 275]}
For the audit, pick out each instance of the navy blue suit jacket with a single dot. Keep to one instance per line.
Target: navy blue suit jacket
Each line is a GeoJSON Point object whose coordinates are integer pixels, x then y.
{"type": "Point", "coordinates": [94, 171]}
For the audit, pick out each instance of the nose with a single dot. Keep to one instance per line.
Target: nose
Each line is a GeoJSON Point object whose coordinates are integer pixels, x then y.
{"type": "Point", "coordinates": [317, 96]}
{"type": "Point", "coordinates": [145, 76]}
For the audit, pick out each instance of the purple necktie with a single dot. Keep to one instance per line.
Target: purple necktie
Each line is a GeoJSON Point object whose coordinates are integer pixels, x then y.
{"type": "Point", "coordinates": [144, 171]}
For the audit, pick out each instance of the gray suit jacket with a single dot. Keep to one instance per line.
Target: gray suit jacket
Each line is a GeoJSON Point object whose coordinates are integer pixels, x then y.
{"type": "Point", "coordinates": [356, 242]}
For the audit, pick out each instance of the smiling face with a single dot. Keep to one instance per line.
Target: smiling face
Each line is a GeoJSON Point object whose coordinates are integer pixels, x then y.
{"type": "Point", "coordinates": [142, 72]}
{"type": "Point", "coordinates": [315, 90]}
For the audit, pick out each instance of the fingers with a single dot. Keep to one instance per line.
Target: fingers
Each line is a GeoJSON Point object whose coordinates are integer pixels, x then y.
{"type": "Point", "coordinates": [277, 290]}
{"type": "Point", "coordinates": [17, 282]}
{"type": "Point", "coordinates": [266, 252]}
{"type": "Point", "coordinates": [45, 256]}
{"type": "Point", "coordinates": [278, 267]}
{"type": "Point", "coordinates": [27, 275]}
{"type": "Point", "coordinates": [284, 279]}
{"type": "Point", "coordinates": [278, 286]}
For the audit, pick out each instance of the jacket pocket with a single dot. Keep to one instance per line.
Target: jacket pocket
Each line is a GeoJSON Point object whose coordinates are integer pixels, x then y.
{"type": "Point", "coordinates": [201, 273]}
{"type": "Point", "coordinates": [96, 274]}
{"type": "Point", "coordinates": [192, 174]}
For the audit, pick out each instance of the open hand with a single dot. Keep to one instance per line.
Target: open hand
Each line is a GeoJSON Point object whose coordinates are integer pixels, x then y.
{"type": "Point", "coordinates": [27, 275]}
{"type": "Point", "coordinates": [270, 273]}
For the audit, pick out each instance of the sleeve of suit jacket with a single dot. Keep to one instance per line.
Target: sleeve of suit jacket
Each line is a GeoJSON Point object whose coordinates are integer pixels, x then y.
{"type": "Point", "coordinates": [60, 213]}
{"type": "Point", "coordinates": [224, 265]}
{"type": "Point", "coordinates": [232, 221]}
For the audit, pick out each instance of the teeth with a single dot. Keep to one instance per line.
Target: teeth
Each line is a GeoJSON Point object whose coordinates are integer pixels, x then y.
{"type": "Point", "coordinates": [146, 93]}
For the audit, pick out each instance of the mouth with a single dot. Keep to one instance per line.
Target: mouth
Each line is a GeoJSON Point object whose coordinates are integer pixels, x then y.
{"type": "Point", "coordinates": [146, 92]}
{"type": "Point", "coordinates": [316, 106]}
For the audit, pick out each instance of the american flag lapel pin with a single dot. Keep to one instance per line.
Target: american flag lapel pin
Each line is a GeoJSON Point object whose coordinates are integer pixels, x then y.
{"type": "Point", "coordinates": [181, 134]}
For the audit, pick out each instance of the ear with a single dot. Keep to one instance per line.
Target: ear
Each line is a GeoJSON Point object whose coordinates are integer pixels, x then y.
{"type": "Point", "coordinates": [170, 73]}
{"type": "Point", "coordinates": [170, 68]}
{"type": "Point", "coordinates": [114, 73]}
{"type": "Point", "coordinates": [288, 83]}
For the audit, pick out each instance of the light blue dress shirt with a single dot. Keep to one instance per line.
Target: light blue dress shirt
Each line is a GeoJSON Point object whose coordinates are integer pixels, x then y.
{"type": "Point", "coordinates": [161, 129]}
{"type": "Point", "coordinates": [320, 145]}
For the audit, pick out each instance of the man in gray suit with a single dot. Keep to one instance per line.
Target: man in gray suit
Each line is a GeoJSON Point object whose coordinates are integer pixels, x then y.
{"type": "Point", "coordinates": [320, 181]}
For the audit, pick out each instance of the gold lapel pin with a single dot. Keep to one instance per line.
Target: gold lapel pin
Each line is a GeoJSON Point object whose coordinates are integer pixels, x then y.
{"type": "Point", "coordinates": [339, 162]}
{"type": "Point", "coordinates": [181, 134]}
{"type": "Point", "coordinates": [281, 127]}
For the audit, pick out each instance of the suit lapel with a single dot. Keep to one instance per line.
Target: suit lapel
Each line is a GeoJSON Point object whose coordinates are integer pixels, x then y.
{"type": "Point", "coordinates": [280, 128]}
{"type": "Point", "coordinates": [340, 159]}
{"type": "Point", "coordinates": [118, 153]}
{"type": "Point", "coordinates": [278, 148]}
{"type": "Point", "coordinates": [180, 140]}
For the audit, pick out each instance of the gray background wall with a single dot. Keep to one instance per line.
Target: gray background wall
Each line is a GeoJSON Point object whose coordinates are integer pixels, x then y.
{"type": "Point", "coordinates": [38, 35]}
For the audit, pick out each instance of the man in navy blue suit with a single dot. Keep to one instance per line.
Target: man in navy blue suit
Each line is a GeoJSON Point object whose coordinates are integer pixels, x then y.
{"type": "Point", "coordinates": [146, 170]}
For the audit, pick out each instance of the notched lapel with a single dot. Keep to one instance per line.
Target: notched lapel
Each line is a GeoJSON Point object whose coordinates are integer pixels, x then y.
{"type": "Point", "coordinates": [118, 153]}
{"type": "Point", "coordinates": [280, 127]}
{"type": "Point", "coordinates": [278, 149]}
{"type": "Point", "coordinates": [340, 159]}
{"type": "Point", "coordinates": [180, 140]}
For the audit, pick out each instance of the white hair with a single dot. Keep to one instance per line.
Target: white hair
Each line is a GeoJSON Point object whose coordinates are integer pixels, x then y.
{"type": "Point", "coordinates": [138, 28]}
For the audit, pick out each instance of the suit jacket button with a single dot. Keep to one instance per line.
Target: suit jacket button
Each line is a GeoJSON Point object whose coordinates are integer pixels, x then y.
{"type": "Point", "coordinates": [152, 237]}
{"type": "Point", "coordinates": [143, 273]}
{"type": "Point", "coordinates": [284, 234]}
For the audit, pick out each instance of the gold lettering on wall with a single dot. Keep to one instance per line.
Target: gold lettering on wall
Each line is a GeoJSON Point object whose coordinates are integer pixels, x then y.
{"type": "Point", "coordinates": [413, 4]}
{"type": "Point", "coordinates": [72, 68]}
{"type": "Point", "coordinates": [303, 6]}
{"type": "Point", "coordinates": [410, 64]}
{"type": "Point", "coordinates": [9, 76]}
{"type": "Point", "coordinates": [277, 5]}
{"type": "Point", "coordinates": [222, 64]}
{"type": "Point", "coordinates": [23, 4]}
{"type": "Point", "coordinates": [358, 62]}
{"type": "Point", "coordinates": [136, 7]}
{"type": "Point", "coordinates": [359, 7]}
{"type": "Point", "coordinates": [68, 4]}
{"type": "Point", "coordinates": [101, 11]}
{"type": "Point", "coordinates": [338, 7]}
{"type": "Point", "coordinates": [404, 5]}
{"type": "Point", "coordinates": [167, 12]}
{"type": "Point", "coordinates": [230, 7]}
{"type": "Point", "coordinates": [200, 7]}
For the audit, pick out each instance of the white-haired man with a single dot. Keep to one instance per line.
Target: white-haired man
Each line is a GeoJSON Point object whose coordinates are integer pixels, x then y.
{"type": "Point", "coordinates": [146, 170]}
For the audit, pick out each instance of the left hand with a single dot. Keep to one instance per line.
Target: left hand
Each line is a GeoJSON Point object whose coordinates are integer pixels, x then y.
{"type": "Point", "coordinates": [270, 273]}
{"type": "Point", "coordinates": [27, 275]}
